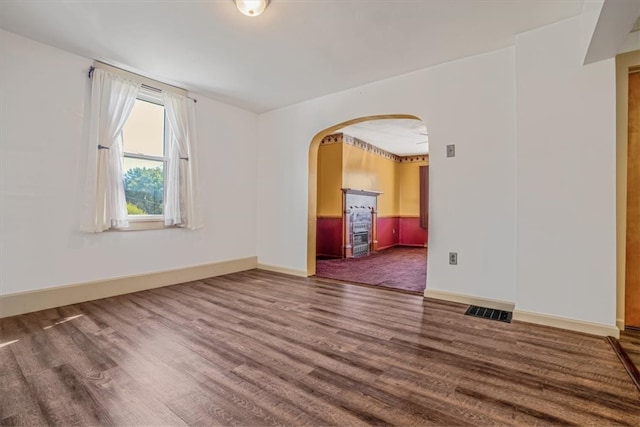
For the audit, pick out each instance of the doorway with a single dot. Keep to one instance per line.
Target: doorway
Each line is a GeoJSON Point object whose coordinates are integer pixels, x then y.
{"type": "Point", "coordinates": [628, 190]}
{"type": "Point", "coordinates": [632, 263]}
{"type": "Point", "coordinates": [368, 202]}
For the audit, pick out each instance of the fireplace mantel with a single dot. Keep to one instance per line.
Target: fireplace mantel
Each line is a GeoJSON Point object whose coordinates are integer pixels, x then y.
{"type": "Point", "coordinates": [362, 192]}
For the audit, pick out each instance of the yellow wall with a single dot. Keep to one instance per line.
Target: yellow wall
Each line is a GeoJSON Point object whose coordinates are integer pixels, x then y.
{"type": "Point", "coordinates": [364, 170]}
{"type": "Point", "coordinates": [408, 178]}
{"type": "Point", "coordinates": [330, 180]}
{"type": "Point", "coordinates": [343, 165]}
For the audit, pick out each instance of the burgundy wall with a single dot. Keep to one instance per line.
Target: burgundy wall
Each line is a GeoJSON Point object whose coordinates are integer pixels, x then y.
{"type": "Point", "coordinates": [329, 237]}
{"type": "Point", "coordinates": [407, 233]}
{"type": "Point", "coordinates": [411, 234]}
{"type": "Point", "coordinates": [386, 236]}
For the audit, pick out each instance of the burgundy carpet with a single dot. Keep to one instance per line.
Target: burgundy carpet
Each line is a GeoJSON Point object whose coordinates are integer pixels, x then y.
{"type": "Point", "coordinates": [398, 267]}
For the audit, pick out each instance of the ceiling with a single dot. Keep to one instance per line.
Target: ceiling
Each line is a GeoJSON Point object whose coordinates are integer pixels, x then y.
{"type": "Point", "coordinates": [402, 137]}
{"type": "Point", "coordinates": [296, 50]}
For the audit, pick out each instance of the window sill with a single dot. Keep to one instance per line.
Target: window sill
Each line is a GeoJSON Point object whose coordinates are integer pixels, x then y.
{"type": "Point", "coordinates": [144, 223]}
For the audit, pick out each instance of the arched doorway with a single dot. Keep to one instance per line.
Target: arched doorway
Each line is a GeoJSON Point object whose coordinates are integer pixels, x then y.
{"type": "Point", "coordinates": [374, 153]}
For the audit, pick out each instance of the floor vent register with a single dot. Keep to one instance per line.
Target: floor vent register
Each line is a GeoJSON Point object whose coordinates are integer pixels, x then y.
{"type": "Point", "coordinates": [489, 313]}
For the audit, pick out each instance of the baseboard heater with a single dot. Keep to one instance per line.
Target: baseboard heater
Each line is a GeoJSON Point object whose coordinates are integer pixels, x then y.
{"type": "Point", "coordinates": [489, 313]}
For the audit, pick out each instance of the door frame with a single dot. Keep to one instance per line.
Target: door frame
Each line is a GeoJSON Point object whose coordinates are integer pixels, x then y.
{"type": "Point", "coordinates": [624, 64]}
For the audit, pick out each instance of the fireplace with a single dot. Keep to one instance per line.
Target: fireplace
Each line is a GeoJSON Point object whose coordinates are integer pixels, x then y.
{"type": "Point", "coordinates": [361, 231]}
{"type": "Point", "coordinates": [359, 222]}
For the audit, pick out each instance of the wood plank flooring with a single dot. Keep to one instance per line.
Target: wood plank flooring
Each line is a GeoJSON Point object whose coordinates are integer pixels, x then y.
{"type": "Point", "coordinates": [259, 348]}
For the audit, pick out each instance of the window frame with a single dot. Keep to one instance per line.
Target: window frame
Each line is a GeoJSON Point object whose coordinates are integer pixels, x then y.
{"type": "Point", "coordinates": [150, 221]}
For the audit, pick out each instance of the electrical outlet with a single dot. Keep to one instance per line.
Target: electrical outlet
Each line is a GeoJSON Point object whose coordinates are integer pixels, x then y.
{"type": "Point", "coordinates": [451, 150]}
{"type": "Point", "coordinates": [453, 258]}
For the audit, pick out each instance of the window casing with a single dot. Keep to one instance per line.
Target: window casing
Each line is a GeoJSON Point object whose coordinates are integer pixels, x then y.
{"type": "Point", "coordinates": [145, 161]}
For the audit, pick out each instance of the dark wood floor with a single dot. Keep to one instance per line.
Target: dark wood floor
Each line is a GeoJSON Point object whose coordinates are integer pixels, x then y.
{"type": "Point", "coordinates": [258, 348]}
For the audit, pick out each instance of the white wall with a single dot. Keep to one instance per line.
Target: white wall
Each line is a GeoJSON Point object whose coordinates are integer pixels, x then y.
{"type": "Point", "coordinates": [566, 177]}
{"type": "Point", "coordinates": [42, 107]}
{"type": "Point", "coordinates": [470, 103]}
{"type": "Point", "coordinates": [528, 203]}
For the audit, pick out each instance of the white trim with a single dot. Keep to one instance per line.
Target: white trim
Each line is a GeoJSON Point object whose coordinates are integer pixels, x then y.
{"type": "Point", "coordinates": [530, 317]}
{"type": "Point", "coordinates": [26, 302]}
{"type": "Point", "coordinates": [565, 323]}
{"type": "Point", "coordinates": [138, 225]}
{"type": "Point", "coordinates": [146, 218]}
{"type": "Point", "coordinates": [276, 269]}
{"type": "Point", "coordinates": [469, 299]}
{"type": "Point", "coordinates": [151, 96]}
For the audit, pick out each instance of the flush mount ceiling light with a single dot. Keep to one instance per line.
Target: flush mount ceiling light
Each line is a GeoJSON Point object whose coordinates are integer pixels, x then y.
{"type": "Point", "coordinates": [251, 7]}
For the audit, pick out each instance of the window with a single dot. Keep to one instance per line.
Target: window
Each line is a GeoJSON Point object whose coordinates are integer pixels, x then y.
{"type": "Point", "coordinates": [143, 172]}
{"type": "Point", "coordinates": [143, 140]}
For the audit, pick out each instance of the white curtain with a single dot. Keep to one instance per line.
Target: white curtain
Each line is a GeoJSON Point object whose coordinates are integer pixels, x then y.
{"type": "Point", "coordinates": [112, 99]}
{"type": "Point", "coordinates": [182, 201]}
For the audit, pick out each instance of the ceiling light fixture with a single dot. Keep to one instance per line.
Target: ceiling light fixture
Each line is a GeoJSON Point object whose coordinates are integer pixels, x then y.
{"type": "Point", "coordinates": [251, 7]}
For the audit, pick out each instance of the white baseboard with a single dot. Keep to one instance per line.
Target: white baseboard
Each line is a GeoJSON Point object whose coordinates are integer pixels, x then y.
{"type": "Point", "coordinates": [276, 269]}
{"type": "Point", "coordinates": [565, 323]}
{"type": "Point", "coordinates": [530, 317]}
{"type": "Point", "coordinates": [26, 302]}
{"type": "Point", "coordinates": [468, 299]}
